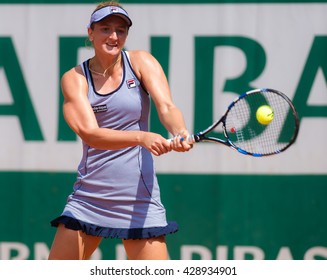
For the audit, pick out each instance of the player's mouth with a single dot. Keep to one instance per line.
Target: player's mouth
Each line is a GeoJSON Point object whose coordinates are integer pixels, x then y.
{"type": "Point", "coordinates": [112, 45]}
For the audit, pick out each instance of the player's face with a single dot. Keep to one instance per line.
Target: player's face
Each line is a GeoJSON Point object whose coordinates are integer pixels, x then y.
{"type": "Point", "coordinates": [109, 35]}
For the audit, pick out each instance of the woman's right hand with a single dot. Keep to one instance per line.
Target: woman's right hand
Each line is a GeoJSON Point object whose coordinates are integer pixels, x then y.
{"type": "Point", "coordinates": [155, 143]}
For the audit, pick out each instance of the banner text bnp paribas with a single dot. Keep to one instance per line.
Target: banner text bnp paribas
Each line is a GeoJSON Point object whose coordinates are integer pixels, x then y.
{"type": "Point", "coordinates": [229, 206]}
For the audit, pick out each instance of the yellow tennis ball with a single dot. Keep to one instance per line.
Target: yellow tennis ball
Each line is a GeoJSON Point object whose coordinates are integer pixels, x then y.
{"type": "Point", "coordinates": [265, 114]}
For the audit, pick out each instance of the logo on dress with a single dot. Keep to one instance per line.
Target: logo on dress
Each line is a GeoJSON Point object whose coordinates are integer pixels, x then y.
{"type": "Point", "coordinates": [99, 108]}
{"type": "Point", "coordinates": [131, 83]}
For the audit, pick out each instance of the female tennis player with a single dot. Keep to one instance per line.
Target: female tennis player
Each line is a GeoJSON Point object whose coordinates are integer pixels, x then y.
{"type": "Point", "coordinates": [106, 102]}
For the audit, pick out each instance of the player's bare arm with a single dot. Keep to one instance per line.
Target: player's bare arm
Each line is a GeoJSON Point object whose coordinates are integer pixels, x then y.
{"type": "Point", "coordinates": [150, 72]}
{"type": "Point", "coordinates": [80, 117]}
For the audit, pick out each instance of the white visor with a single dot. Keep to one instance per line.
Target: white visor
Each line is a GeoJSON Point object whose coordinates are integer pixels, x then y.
{"type": "Point", "coordinates": [100, 14]}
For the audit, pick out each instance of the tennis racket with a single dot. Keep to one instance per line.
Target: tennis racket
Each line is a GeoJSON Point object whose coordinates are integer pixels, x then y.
{"type": "Point", "coordinates": [252, 129]}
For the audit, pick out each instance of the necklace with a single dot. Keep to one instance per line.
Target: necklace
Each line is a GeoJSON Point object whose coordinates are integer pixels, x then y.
{"type": "Point", "coordinates": [105, 71]}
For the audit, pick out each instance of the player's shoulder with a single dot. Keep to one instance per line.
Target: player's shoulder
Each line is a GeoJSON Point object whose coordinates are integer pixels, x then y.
{"type": "Point", "coordinates": [73, 73]}
{"type": "Point", "coordinates": [140, 55]}
{"type": "Point", "coordinates": [74, 80]}
{"type": "Point", "coordinates": [141, 59]}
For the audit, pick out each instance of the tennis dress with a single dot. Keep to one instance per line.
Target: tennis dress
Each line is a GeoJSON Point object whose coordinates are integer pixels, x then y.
{"type": "Point", "coordinates": [116, 193]}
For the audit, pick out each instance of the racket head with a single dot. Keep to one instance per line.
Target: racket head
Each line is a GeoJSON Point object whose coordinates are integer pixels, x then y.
{"type": "Point", "coordinates": [246, 134]}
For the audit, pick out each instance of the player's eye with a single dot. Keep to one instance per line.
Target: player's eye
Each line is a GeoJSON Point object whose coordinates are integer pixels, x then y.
{"type": "Point", "coordinates": [121, 31]}
{"type": "Point", "coordinates": [105, 30]}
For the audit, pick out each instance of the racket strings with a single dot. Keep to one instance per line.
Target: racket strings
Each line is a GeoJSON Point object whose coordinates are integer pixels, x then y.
{"type": "Point", "coordinates": [245, 131]}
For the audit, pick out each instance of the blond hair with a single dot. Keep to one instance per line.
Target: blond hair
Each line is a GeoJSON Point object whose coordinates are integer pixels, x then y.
{"type": "Point", "coordinates": [107, 3]}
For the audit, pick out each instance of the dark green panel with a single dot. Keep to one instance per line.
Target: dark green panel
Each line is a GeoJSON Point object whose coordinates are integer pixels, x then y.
{"type": "Point", "coordinates": [264, 211]}
{"type": "Point", "coordinates": [28, 201]}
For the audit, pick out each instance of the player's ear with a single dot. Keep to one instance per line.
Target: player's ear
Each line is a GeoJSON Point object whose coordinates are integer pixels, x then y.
{"type": "Point", "coordinates": [90, 34]}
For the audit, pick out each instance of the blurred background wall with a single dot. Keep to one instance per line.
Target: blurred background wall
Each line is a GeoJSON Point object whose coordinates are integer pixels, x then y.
{"type": "Point", "coordinates": [229, 206]}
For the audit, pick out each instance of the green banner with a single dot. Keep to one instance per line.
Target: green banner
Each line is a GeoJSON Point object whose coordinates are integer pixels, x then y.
{"type": "Point", "coordinates": [220, 216]}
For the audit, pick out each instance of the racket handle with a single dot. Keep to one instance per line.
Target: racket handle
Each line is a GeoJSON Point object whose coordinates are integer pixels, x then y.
{"type": "Point", "coordinates": [189, 139]}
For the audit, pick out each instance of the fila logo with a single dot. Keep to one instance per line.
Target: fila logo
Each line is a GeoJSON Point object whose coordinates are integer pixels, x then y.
{"type": "Point", "coordinates": [131, 83]}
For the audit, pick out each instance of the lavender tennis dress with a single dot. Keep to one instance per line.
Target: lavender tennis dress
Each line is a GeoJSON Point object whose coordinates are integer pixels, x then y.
{"type": "Point", "coordinates": [116, 193]}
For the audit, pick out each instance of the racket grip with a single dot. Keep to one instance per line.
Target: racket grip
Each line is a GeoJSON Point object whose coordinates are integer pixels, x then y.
{"type": "Point", "coordinates": [189, 139]}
